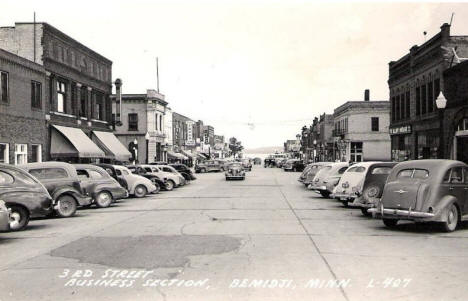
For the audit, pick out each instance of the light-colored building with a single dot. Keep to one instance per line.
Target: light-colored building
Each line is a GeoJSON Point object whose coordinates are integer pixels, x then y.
{"type": "Point", "coordinates": [168, 140]}
{"type": "Point", "coordinates": [361, 131]}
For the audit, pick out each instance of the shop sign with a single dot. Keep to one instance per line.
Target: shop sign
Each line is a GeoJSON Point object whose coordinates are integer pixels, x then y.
{"type": "Point", "coordinates": [406, 129]}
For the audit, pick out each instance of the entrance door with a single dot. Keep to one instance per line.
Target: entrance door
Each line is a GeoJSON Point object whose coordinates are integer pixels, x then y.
{"type": "Point", "coordinates": [462, 148]}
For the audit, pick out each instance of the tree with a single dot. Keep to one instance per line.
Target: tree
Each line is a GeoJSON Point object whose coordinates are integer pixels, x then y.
{"type": "Point", "coordinates": [235, 146]}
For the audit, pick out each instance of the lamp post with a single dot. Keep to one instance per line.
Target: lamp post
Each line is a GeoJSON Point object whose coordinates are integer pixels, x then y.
{"type": "Point", "coordinates": [441, 103]}
{"type": "Point", "coordinates": [315, 150]}
{"type": "Point", "coordinates": [147, 138]}
{"type": "Point", "coordinates": [135, 150]}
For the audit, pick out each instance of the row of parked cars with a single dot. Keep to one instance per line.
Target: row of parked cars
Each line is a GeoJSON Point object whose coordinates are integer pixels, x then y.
{"type": "Point", "coordinates": [220, 165]}
{"type": "Point", "coordinates": [419, 190]}
{"type": "Point", "coordinates": [58, 188]}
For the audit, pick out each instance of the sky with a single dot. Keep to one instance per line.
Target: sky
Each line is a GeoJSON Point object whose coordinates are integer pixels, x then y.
{"type": "Point", "coordinates": [256, 70]}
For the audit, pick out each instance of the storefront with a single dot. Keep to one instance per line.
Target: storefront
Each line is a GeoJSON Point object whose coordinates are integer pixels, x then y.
{"type": "Point", "coordinates": [401, 143]}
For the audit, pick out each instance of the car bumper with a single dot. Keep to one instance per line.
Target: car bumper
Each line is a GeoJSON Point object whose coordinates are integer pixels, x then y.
{"type": "Point", "coordinates": [344, 196]}
{"type": "Point", "coordinates": [399, 214]}
{"type": "Point", "coordinates": [118, 194]}
{"type": "Point", "coordinates": [361, 202]}
{"type": "Point", "coordinates": [317, 187]}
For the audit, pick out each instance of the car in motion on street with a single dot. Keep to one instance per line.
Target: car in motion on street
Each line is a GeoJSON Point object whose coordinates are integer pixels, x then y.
{"type": "Point", "coordinates": [373, 185]}
{"type": "Point", "coordinates": [138, 186]}
{"type": "Point", "coordinates": [235, 170]}
{"type": "Point", "coordinates": [62, 182]}
{"type": "Point", "coordinates": [209, 165]}
{"type": "Point", "coordinates": [246, 164]}
{"type": "Point", "coordinates": [308, 175]}
{"type": "Point", "coordinates": [293, 165]}
{"type": "Point", "coordinates": [23, 196]}
{"type": "Point", "coordinates": [328, 177]}
{"type": "Point", "coordinates": [99, 185]}
{"type": "Point", "coordinates": [425, 191]}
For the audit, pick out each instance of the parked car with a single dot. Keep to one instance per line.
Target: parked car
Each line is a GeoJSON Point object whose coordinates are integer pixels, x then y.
{"type": "Point", "coordinates": [99, 185]}
{"type": "Point", "coordinates": [137, 185]}
{"type": "Point", "coordinates": [171, 181]}
{"type": "Point", "coordinates": [158, 180]}
{"type": "Point", "coordinates": [4, 217]}
{"type": "Point", "coordinates": [293, 165]}
{"type": "Point", "coordinates": [62, 182]}
{"type": "Point", "coordinates": [269, 162]}
{"type": "Point", "coordinates": [351, 182]}
{"type": "Point", "coordinates": [257, 161]}
{"type": "Point", "coordinates": [425, 191]}
{"type": "Point", "coordinates": [308, 175]}
{"type": "Point", "coordinates": [209, 165]}
{"type": "Point", "coordinates": [24, 196]}
{"type": "Point", "coordinates": [185, 171]}
{"type": "Point", "coordinates": [246, 164]}
{"type": "Point", "coordinates": [112, 172]}
{"type": "Point", "coordinates": [280, 162]}
{"type": "Point", "coordinates": [235, 170]}
{"type": "Point", "coordinates": [173, 171]}
{"type": "Point", "coordinates": [373, 185]}
{"type": "Point", "coordinates": [328, 177]}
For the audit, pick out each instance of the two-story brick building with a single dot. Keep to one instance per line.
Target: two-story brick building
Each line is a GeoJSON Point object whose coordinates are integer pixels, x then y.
{"type": "Point", "coordinates": [78, 82]}
{"type": "Point", "coordinates": [415, 81]}
{"type": "Point", "coordinates": [23, 132]}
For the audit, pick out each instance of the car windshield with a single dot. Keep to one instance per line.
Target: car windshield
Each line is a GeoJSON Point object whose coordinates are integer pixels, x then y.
{"type": "Point", "coordinates": [234, 165]}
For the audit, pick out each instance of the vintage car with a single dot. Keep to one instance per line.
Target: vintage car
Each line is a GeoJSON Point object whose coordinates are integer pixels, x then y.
{"type": "Point", "coordinates": [257, 161]}
{"type": "Point", "coordinates": [308, 175]}
{"type": "Point", "coordinates": [112, 172]}
{"type": "Point", "coordinates": [172, 180]}
{"type": "Point", "coordinates": [159, 181]}
{"type": "Point", "coordinates": [269, 162]}
{"type": "Point", "coordinates": [184, 170]}
{"type": "Point", "coordinates": [246, 164]}
{"type": "Point", "coordinates": [280, 162]}
{"type": "Point", "coordinates": [293, 165]}
{"type": "Point", "coordinates": [235, 170]}
{"type": "Point", "coordinates": [99, 185]}
{"type": "Point", "coordinates": [4, 217]}
{"type": "Point", "coordinates": [62, 182]}
{"type": "Point", "coordinates": [23, 195]}
{"type": "Point", "coordinates": [328, 177]}
{"type": "Point", "coordinates": [137, 185]}
{"type": "Point", "coordinates": [173, 171]}
{"type": "Point", "coordinates": [373, 185]}
{"type": "Point", "coordinates": [209, 165]}
{"type": "Point", "coordinates": [425, 191]}
{"type": "Point", "coordinates": [351, 182]}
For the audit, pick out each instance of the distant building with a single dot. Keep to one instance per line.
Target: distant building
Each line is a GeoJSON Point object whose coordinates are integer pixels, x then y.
{"type": "Point", "coordinates": [169, 141]}
{"type": "Point", "coordinates": [415, 81]}
{"type": "Point", "coordinates": [361, 131]}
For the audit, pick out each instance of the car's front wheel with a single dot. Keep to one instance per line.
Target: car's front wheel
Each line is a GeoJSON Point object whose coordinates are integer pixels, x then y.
{"type": "Point", "coordinates": [451, 219]}
{"type": "Point", "coordinates": [158, 188]}
{"type": "Point", "coordinates": [103, 199]}
{"type": "Point", "coordinates": [170, 185]}
{"type": "Point", "coordinates": [19, 218]}
{"type": "Point", "coordinates": [66, 206]}
{"type": "Point", "coordinates": [140, 191]}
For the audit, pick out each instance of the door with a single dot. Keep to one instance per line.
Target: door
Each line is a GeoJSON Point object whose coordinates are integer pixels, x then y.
{"type": "Point", "coordinates": [86, 181]}
{"type": "Point", "coordinates": [462, 146]}
{"type": "Point", "coordinates": [454, 184]}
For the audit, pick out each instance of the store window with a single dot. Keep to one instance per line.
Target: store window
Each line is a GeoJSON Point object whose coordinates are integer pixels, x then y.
{"type": "Point", "coordinates": [4, 86]}
{"type": "Point", "coordinates": [356, 152]}
{"type": "Point", "coordinates": [427, 145]}
{"type": "Point", "coordinates": [4, 153]}
{"type": "Point", "coordinates": [36, 153]}
{"type": "Point", "coordinates": [21, 154]}
{"type": "Point", "coordinates": [61, 96]}
{"type": "Point", "coordinates": [36, 95]}
{"type": "Point", "coordinates": [400, 148]}
{"type": "Point", "coordinates": [133, 122]}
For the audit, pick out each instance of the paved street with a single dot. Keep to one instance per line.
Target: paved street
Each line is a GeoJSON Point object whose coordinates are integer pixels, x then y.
{"type": "Point", "coordinates": [265, 238]}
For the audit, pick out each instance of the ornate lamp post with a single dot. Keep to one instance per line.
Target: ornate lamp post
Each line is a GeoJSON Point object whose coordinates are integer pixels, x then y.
{"type": "Point", "coordinates": [441, 103]}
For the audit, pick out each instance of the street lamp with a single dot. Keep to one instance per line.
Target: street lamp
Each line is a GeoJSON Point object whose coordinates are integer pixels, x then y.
{"type": "Point", "coordinates": [135, 150]}
{"type": "Point", "coordinates": [441, 103]}
{"type": "Point", "coordinates": [147, 138]}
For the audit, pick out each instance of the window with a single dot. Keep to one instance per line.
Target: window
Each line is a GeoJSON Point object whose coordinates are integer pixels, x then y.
{"type": "Point", "coordinates": [74, 101]}
{"type": "Point", "coordinates": [36, 153]}
{"type": "Point", "coordinates": [393, 109]}
{"type": "Point", "coordinates": [82, 174]}
{"type": "Point", "coordinates": [99, 107]}
{"type": "Point", "coordinates": [375, 124]}
{"type": "Point", "coordinates": [36, 95]}
{"type": "Point", "coordinates": [6, 178]}
{"type": "Point", "coordinates": [94, 174]}
{"type": "Point", "coordinates": [133, 122]}
{"type": "Point", "coordinates": [83, 100]}
{"type": "Point", "coordinates": [21, 153]}
{"type": "Point", "coordinates": [49, 173]}
{"type": "Point", "coordinates": [454, 175]}
{"type": "Point", "coordinates": [356, 151]}
{"type": "Point", "coordinates": [381, 171]}
{"type": "Point", "coordinates": [3, 86]}
{"type": "Point", "coordinates": [423, 100]}
{"type": "Point", "coordinates": [397, 113]}
{"type": "Point", "coordinates": [413, 173]}
{"type": "Point", "coordinates": [357, 169]}
{"type": "Point", "coordinates": [430, 97]}
{"type": "Point", "coordinates": [342, 170]}
{"type": "Point", "coordinates": [418, 101]}
{"type": "Point", "coordinates": [408, 105]}
{"type": "Point", "coordinates": [61, 96]}
{"type": "Point", "coordinates": [4, 153]}
{"type": "Point", "coordinates": [118, 172]}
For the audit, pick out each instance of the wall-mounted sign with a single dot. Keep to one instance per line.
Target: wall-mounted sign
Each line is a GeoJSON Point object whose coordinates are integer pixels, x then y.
{"type": "Point", "coordinates": [406, 129]}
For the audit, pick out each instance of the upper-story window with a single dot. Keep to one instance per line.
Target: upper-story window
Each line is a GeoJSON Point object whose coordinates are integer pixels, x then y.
{"type": "Point", "coordinates": [4, 87]}
{"type": "Point", "coordinates": [36, 95]}
{"type": "Point", "coordinates": [133, 122]}
{"type": "Point", "coordinates": [61, 96]}
{"type": "Point", "coordinates": [375, 124]}
{"type": "Point", "coordinates": [83, 100]}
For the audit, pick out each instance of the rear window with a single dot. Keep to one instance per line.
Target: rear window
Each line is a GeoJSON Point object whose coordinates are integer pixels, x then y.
{"type": "Point", "coordinates": [148, 169]}
{"type": "Point", "coordinates": [414, 173]}
{"type": "Point", "coordinates": [49, 173]}
{"type": "Point", "coordinates": [356, 169]}
{"type": "Point", "coordinates": [381, 170]}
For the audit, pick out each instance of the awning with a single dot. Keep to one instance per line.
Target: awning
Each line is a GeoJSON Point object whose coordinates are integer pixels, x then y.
{"type": "Point", "coordinates": [207, 156]}
{"type": "Point", "coordinates": [72, 142]}
{"type": "Point", "coordinates": [188, 154]}
{"type": "Point", "coordinates": [176, 156]}
{"type": "Point", "coordinates": [111, 145]}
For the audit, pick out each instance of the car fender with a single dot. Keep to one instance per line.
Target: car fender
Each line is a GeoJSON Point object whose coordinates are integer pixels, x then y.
{"type": "Point", "coordinates": [66, 190]}
{"type": "Point", "coordinates": [442, 207]}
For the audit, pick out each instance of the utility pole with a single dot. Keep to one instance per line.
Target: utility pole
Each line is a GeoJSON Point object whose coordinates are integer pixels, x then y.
{"type": "Point", "coordinates": [157, 74]}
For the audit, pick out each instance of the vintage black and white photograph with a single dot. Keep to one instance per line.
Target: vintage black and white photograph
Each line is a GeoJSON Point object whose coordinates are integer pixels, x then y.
{"type": "Point", "coordinates": [251, 150]}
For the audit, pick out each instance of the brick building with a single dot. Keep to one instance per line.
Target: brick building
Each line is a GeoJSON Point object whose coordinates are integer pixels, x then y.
{"type": "Point", "coordinates": [143, 127]}
{"type": "Point", "coordinates": [23, 133]}
{"type": "Point", "coordinates": [415, 81]}
{"type": "Point", "coordinates": [361, 131]}
{"type": "Point", "coordinates": [78, 80]}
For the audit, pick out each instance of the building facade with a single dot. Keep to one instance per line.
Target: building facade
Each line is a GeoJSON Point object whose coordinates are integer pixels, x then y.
{"type": "Point", "coordinates": [361, 131]}
{"type": "Point", "coordinates": [415, 81]}
{"type": "Point", "coordinates": [23, 131]}
{"type": "Point", "coordinates": [78, 82]}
